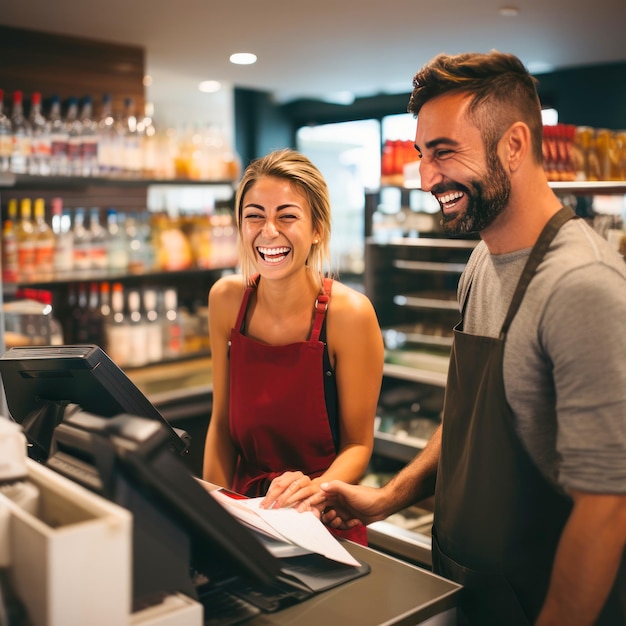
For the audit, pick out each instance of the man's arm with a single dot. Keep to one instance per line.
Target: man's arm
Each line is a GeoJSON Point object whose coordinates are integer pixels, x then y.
{"type": "Point", "coordinates": [587, 560]}
{"type": "Point", "coordinates": [348, 505]}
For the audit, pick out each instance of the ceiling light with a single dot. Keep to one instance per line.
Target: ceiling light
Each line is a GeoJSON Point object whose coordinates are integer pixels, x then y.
{"type": "Point", "coordinates": [209, 86]}
{"type": "Point", "coordinates": [508, 11]}
{"type": "Point", "coordinates": [147, 80]}
{"type": "Point", "coordinates": [243, 58]}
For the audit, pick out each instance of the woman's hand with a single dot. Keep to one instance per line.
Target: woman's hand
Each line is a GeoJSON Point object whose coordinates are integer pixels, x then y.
{"type": "Point", "coordinates": [288, 489]}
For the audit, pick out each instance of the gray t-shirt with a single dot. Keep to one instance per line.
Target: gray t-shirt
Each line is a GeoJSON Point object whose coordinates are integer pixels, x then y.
{"type": "Point", "coordinates": [565, 354]}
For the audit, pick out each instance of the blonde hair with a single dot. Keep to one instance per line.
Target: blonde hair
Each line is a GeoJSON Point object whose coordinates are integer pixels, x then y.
{"type": "Point", "coordinates": [294, 167]}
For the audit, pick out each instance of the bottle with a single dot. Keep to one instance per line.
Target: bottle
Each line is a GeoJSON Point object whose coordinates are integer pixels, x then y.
{"type": "Point", "coordinates": [106, 138]}
{"type": "Point", "coordinates": [80, 316]}
{"type": "Point", "coordinates": [154, 334]}
{"type": "Point", "coordinates": [44, 241]}
{"type": "Point", "coordinates": [136, 253]}
{"type": "Point", "coordinates": [25, 234]}
{"type": "Point", "coordinates": [6, 138]}
{"type": "Point", "coordinates": [82, 242]}
{"type": "Point", "coordinates": [149, 147]}
{"type": "Point", "coordinates": [10, 265]}
{"type": "Point", "coordinates": [117, 251]}
{"type": "Point", "coordinates": [117, 331]}
{"type": "Point", "coordinates": [58, 140]}
{"type": "Point", "coordinates": [20, 132]}
{"type": "Point", "coordinates": [63, 261]}
{"type": "Point", "coordinates": [88, 139]}
{"type": "Point", "coordinates": [95, 321]}
{"type": "Point", "coordinates": [138, 331]}
{"type": "Point", "coordinates": [74, 132]}
{"type": "Point", "coordinates": [171, 328]}
{"type": "Point", "coordinates": [132, 141]}
{"type": "Point", "coordinates": [99, 241]}
{"type": "Point", "coordinates": [41, 143]}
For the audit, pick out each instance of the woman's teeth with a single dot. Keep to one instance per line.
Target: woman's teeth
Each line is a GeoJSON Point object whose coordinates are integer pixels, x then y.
{"type": "Point", "coordinates": [273, 255]}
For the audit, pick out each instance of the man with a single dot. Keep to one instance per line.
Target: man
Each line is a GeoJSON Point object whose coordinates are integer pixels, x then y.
{"type": "Point", "coordinates": [530, 462]}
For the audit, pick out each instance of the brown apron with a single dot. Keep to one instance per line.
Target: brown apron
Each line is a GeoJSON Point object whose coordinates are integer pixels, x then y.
{"type": "Point", "coordinates": [497, 519]}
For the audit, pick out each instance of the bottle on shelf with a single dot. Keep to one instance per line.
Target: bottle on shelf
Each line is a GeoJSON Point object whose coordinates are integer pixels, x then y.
{"type": "Point", "coordinates": [154, 332]}
{"type": "Point", "coordinates": [63, 238]}
{"type": "Point", "coordinates": [99, 241]}
{"type": "Point", "coordinates": [95, 321]}
{"type": "Point", "coordinates": [41, 143]}
{"type": "Point", "coordinates": [136, 246]}
{"type": "Point", "coordinates": [117, 251]}
{"type": "Point", "coordinates": [6, 138]}
{"type": "Point", "coordinates": [74, 134]}
{"type": "Point", "coordinates": [80, 316]}
{"type": "Point", "coordinates": [172, 328]}
{"type": "Point", "coordinates": [117, 330]}
{"type": "Point", "coordinates": [25, 234]}
{"type": "Point", "coordinates": [10, 265]}
{"type": "Point", "coordinates": [20, 133]}
{"type": "Point", "coordinates": [82, 241]}
{"type": "Point", "coordinates": [138, 331]}
{"type": "Point", "coordinates": [58, 139]}
{"type": "Point", "coordinates": [106, 138]}
{"type": "Point", "coordinates": [88, 139]}
{"type": "Point", "coordinates": [132, 140]}
{"type": "Point", "coordinates": [44, 241]}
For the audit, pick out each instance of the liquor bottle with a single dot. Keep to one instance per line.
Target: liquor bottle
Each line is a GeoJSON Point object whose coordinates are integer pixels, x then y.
{"type": "Point", "coordinates": [106, 138]}
{"type": "Point", "coordinates": [99, 241]}
{"type": "Point", "coordinates": [25, 233]}
{"type": "Point", "coordinates": [44, 241]}
{"type": "Point", "coordinates": [82, 241]}
{"type": "Point", "coordinates": [41, 143]}
{"type": "Point", "coordinates": [95, 321]}
{"type": "Point", "coordinates": [6, 139]}
{"type": "Point", "coordinates": [63, 238]}
{"type": "Point", "coordinates": [88, 139]}
{"type": "Point", "coordinates": [136, 252]}
{"type": "Point", "coordinates": [81, 316]}
{"type": "Point", "coordinates": [10, 265]}
{"type": "Point", "coordinates": [117, 331]}
{"type": "Point", "coordinates": [154, 332]}
{"type": "Point", "coordinates": [171, 328]}
{"type": "Point", "coordinates": [20, 132]}
{"type": "Point", "coordinates": [117, 241]}
{"type": "Point", "coordinates": [149, 144]}
{"type": "Point", "coordinates": [74, 131]}
{"type": "Point", "coordinates": [58, 140]}
{"type": "Point", "coordinates": [132, 140]}
{"type": "Point", "coordinates": [138, 331]}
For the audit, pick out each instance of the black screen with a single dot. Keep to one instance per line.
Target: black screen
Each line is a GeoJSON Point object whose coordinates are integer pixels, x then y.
{"type": "Point", "coordinates": [40, 381]}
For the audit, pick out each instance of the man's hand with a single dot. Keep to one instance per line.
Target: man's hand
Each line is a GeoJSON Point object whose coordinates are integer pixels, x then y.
{"type": "Point", "coordinates": [345, 506]}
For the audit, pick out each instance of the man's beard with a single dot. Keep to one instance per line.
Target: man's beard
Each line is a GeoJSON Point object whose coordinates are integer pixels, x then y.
{"type": "Point", "coordinates": [486, 199]}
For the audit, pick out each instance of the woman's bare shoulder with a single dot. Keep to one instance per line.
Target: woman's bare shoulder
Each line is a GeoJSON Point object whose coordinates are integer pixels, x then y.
{"type": "Point", "coordinates": [347, 302]}
{"type": "Point", "coordinates": [227, 292]}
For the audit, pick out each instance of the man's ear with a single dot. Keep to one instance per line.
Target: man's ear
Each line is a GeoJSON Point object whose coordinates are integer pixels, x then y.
{"type": "Point", "coordinates": [515, 145]}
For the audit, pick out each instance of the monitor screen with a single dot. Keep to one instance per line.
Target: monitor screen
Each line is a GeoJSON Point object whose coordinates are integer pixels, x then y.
{"type": "Point", "coordinates": [40, 381]}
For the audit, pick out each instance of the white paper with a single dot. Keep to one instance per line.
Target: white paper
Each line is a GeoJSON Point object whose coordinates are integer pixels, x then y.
{"type": "Point", "coordinates": [288, 525]}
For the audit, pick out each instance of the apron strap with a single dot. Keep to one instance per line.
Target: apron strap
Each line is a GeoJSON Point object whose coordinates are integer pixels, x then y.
{"type": "Point", "coordinates": [243, 309]}
{"type": "Point", "coordinates": [536, 256]}
{"type": "Point", "coordinates": [321, 304]}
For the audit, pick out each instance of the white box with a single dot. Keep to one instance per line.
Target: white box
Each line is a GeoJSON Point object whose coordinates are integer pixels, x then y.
{"type": "Point", "coordinates": [72, 562]}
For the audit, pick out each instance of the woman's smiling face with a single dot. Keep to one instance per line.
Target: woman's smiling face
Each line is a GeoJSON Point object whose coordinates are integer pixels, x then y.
{"type": "Point", "coordinates": [277, 229]}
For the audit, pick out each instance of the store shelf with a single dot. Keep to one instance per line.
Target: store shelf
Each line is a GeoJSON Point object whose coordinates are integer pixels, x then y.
{"type": "Point", "coordinates": [414, 374]}
{"type": "Point", "coordinates": [424, 302]}
{"type": "Point", "coordinates": [597, 187]}
{"type": "Point", "coordinates": [429, 266]}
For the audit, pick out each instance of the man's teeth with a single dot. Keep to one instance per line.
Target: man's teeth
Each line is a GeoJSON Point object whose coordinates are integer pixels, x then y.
{"type": "Point", "coordinates": [450, 197]}
{"type": "Point", "coordinates": [273, 255]}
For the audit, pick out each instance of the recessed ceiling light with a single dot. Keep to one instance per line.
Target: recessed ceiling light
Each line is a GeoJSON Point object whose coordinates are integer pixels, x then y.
{"type": "Point", "coordinates": [508, 11]}
{"type": "Point", "coordinates": [209, 86]}
{"type": "Point", "coordinates": [243, 58]}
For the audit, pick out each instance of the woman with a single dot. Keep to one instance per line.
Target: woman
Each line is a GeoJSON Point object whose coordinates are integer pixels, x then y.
{"type": "Point", "coordinates": [297, 357]}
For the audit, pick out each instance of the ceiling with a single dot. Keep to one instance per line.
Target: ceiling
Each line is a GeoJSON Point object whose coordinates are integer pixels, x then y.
{"type": "Point", "coordinates": [329, 48]}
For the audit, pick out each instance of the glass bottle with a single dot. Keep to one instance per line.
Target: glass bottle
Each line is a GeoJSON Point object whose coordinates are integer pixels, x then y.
{"type": "Point", "coordinates": [41, 143]}
{"type": "Point", "coordinates": [117, 330]}
{"type": "Point", "coordinates": [20, 132]}
{"type": "Point", "coordinates": [138, 331]}
{"type": "Point", "coordinates": [171, 329]}
{"type": "Point", "coordinates": [10, 265]}
{"type": "Point", "coordinates": [154, 334]}
{"type": "Point", "coordinates": [6, 139]}
{"type": "Point", "coordinates": [58, 140]}
{"type": "Point", "coordinates": [117, 244]}
{"type": "Point", "coordinates": [44, 241]}
{"type": "Point", "coordinates": [63, 238]}
{"type": "Point", "coordinates": [88, 139]}
{"type": "Point", "coordinates": [82, 241]}
{"type": "Point", "coordinates": [25, 234]}
{"type": "Point", "coordinates": [74, 132]}
{"type": "Point", "coordinates": [106, 138]}
{"type": "Point", "coordinates": [99, 241]}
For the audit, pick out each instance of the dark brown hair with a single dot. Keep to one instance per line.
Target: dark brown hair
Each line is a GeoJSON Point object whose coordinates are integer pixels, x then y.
{"type": "Point", "coordinates": [502, 90]}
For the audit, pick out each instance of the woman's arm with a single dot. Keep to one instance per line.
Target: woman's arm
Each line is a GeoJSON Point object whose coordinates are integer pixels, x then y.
{"type": "Point", "coordinates": [219, 453]}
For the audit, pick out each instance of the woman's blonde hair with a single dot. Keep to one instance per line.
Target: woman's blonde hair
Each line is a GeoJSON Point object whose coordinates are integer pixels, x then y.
{"type": "Point", "coordinates": [294, 167]}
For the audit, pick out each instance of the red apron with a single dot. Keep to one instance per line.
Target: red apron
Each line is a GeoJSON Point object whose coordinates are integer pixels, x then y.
{"type": "Point", "coordinates": [278, 416]}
